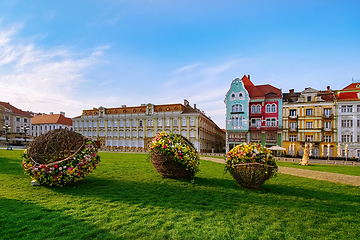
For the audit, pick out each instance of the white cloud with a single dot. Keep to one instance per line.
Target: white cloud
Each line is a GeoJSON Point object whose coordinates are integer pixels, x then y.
{"type": "Point", "coordinates": [42, 80]}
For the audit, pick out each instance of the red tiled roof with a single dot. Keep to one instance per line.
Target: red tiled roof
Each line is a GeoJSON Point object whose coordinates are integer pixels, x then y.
{"type": "Point", "coordinates": [343, 96]}
{"type": "Point", "coordinates": [15, 110]}
{"type": "Point", "coordinates": [269, 91]}
{"type": "Point", "coordinates": [352, 87]}
{"type": "Point", "coordinates": [50, 119]}
{"type": "Point", "coordinates": [260, 91]}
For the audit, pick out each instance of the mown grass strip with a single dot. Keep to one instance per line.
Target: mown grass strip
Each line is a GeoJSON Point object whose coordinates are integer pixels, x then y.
{"type": "Point", "coordinates": [125, 198]}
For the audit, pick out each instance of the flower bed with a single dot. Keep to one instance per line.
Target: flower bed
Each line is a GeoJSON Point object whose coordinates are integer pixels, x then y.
{"type": "Point", "coordinates": [173, 156]}
{"type": "Point", "coordinates": [71, 169]}
{"type": "Point", "coordinates": [250, 164]}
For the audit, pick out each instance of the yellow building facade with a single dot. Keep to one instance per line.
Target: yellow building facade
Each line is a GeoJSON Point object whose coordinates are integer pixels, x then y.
{"type": "Point", "coordinates": [309, 117]}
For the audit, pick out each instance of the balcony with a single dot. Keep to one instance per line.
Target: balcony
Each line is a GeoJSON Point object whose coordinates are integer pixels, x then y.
{"type": "Point", "coordinates": [293, 117]}
{"type": "Point", "coordinates": [255, 114]}
{"type": "Point", "coordinates": [237, 112]}
{"type": "Point", "coordinates": [328, 129]}
{"type": "Point", "coordinates": [293, 129]}
{"type": "Point", "coordinates": [237, 139]}
{"type": "Point", "coordinates": [328, 116]}
{"type": "Point", "coordinates": [255, 127]}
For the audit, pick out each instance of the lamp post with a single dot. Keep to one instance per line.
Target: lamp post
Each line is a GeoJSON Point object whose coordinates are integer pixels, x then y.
{"type": "Point", "coordinates": [25, 128]}
{"type": "Point", "coordinates": [6, 128]}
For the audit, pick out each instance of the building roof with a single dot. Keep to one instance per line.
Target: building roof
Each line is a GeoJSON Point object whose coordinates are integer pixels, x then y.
{"type": "Point", "coordinates": [16, 110]}
{"type": "Point", "coordinates": [348, 96]}
{"type": "Point", "coordinates": [51, 119]}
{"type": "Point", "coordinates": [260, 91]}
{"type": "Point", "coordinates": [352, 87]}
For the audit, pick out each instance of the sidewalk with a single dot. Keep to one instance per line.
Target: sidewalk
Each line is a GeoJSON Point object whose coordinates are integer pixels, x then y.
{"type": "Point", "coordinates": [326, 176]}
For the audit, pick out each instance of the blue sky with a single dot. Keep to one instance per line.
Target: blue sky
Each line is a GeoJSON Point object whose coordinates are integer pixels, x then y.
{"type": "Point", "coordinates": [74, 55]}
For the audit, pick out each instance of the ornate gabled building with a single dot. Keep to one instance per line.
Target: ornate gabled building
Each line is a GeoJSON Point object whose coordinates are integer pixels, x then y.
{"type": "Point", "coordinates": [133, 128]}
{"type": "Point", "coordinates": [310, 117]}
{"type": "Point", "coordinates": [253, 113]}
{"type": "Point", "coordinates": [348, 123]}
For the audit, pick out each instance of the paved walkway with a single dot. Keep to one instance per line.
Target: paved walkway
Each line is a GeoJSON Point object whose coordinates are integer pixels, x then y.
{"type": "Point", "coordinates": [331, 177]}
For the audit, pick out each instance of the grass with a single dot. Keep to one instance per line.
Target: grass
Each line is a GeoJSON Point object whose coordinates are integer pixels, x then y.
{"type": "Point", "coordinates": [125, 198]}
{"type": "Point", "coordinates": [349, 170]}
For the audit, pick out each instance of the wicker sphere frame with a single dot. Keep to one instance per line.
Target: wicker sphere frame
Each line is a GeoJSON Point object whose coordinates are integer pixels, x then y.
{"type": "Point", "coordinates": [167, 167]}
{"type": "Point", "coordinates": [251, 175]}
{"type": "Point", "coordinates": [60, 157]}
{"type": "Point", "coordinates": [174, 156]}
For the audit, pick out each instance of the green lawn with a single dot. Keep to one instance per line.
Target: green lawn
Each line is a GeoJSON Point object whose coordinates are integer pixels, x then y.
{"type": "Point", "coordinates": [349, 170]}
{"type": "Point", "coordinates": [125, 198]}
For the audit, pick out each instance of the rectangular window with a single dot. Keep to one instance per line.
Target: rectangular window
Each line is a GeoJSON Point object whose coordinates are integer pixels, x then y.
{"type": "Point", "coordinates": [292, 112]}
{"type": "Point", "coordinates": [7, 118]}
{"type": "Point", "coordinates": [270, 122]}
{"type": "Point", "coordinates": [292, 138]}
{"type": "Point", "coordinates": [115, 123]}
{"type": "Point", "coordinates": [346, 108]}
{"type": "Point", "coordinates": [127, 123]}
{"type": "Point", "coordinates": [327, 125]}
{"type": "Point", "coordinates": [133, 134]}
{"type": "Point", "coordinates": [127, 134]}
{"type": "Point", "coordinates": [167, 122]}
{"type": "Point", "coordinates": [140, 134]}
{"type": "Point", "coordinates": [109, 124]}
{"type": "Point", "coordinates": [308, 138]}
{"type": "Point", "coordinates": [346, 138]}
{"type": "Point", "coordinates": [18, 119]}
{"type": "Point", "coordinates": [358, 108]}
{"type": "Point", "coordinates": [25, 120]}
{"type": "Point", "coordinates": [17, 129]}
{"type": "Point", "coordinates": [76, 124]}
{"type": "Point", "coordinates": [109, 133]}
{"type": "Point", "coordinates": [309, 112]}
{"type": "Point", "coordinates": [121, 133]}
{"type": "Point", "coordinates": [309, 99]}
{"type": "Point", "coordinates": [183, 122]}
{"type": "Point", "coordinates": [175, 122]}
{"type": "Point", "coordinates": [292, 125]}
{"type": "Point", "coordinates": [358, 123]}
{"type": "Point", "coordinates": [134, 123]}
{"type": "Point", "coordinates": [85, 124]}
{"type": "Point", "coordinates": [94, 124]}
{"type": "Point", "coordinates": [101, 124]}
{"type": "Point", "coordinates": [192, 134]}
{"type": "Point", "coordinates": [150, 122]}
{"type": "Point", "coordinates": [346, 123]}
{"type": "Point", "coordinates": [121, 123]}
{"type": "Point", "coordinates": [159, 122]}
{"type": "Point", "coordinates": [192, 122]}
{"type": "Point", "coordinates": [327, 112]}
{"type": "Point", "coordinates": [115, 134]}
{"type": "Point", "coordinates": [308, 125]}
{"type": "Point", "coordinates": [101, 133]}
{"type": "Point", "coordinates": [327, 138]}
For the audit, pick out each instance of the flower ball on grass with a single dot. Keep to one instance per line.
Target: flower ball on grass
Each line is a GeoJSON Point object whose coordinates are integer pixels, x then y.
{"type": "Point", "coordinates": [250, 164]}
{"type": "Point", "coordinates": [60, 157]}
{"type": "Point", "coordinates": [174, 156]}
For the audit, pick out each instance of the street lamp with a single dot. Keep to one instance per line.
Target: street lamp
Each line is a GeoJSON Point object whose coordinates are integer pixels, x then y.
{"type": "Point", "coordinates": [25, 128]}
{"type": "Point", "coordinates": [6, 128]}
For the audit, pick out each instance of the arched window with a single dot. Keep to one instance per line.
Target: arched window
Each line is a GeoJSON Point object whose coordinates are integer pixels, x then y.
{"type": "Point", "coordinates": [273, 108]}
{"type": "Point", "coordinates": [258, 108]}
{"type": "Point", "coordinates": [233, 95]}
{"type": "Point", "coordinates": [253, 108]}
{"type": "Point", "coordinates": [236, 108]}
{"type": "Point", "coordinates": [268, 108]}
{"type": "Point", "coordinates": [240, 95]}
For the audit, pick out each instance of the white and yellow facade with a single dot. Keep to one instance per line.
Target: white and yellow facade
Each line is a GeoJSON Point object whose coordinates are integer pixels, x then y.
{"type": "Point", "coordinates": [133, 128]}
{"type": "Point", "coordinates": [309, 117]}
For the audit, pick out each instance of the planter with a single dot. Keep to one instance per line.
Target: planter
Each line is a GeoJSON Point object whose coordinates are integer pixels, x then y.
{"type": "Point", "coordinates": [167, 167]}
{"type": "Point", "coordinates": [251, 175]}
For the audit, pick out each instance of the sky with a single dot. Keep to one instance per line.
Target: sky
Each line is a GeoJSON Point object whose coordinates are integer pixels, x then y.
{"type": "Point", "coordinates": [74, 55]}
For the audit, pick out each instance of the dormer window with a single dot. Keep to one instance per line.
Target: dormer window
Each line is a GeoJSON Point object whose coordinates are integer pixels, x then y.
{"type": "Point", "coordinates": [309, 99]}
{"type": "Point", "coordinates": [240, 95]}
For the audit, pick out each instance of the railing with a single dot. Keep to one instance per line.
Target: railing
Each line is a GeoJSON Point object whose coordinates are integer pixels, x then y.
{"type": "Point", "coordinates": [328, 116]}
{"type": "Point", "coordinates": [292, 117]}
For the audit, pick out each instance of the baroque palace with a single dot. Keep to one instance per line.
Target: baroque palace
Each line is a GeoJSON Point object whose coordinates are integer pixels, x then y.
{"type": "Point", "coordinates": [133, 128]}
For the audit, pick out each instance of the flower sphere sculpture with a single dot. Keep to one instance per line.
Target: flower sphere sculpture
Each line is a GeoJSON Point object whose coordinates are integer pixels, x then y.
{"type": "Point", "coordinates": [173, 156]}
{"type": "Point", "coordinates": [60, 157]}
{"type": "Point", "coordinates": [250, 164]}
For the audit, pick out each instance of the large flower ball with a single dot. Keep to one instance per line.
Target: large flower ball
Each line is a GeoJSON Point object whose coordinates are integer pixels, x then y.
{"type": "Point", "coordinates": [60, 157]}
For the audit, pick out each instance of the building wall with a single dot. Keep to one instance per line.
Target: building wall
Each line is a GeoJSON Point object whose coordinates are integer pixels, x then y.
{"type": "Point", "coordinates": [349, 134]}
{"type": "Point", "coordinates": [134, 130]}
{"type": "Point", "coordinates": [305, 128]}
{"type": "Point", "coordinates": [39, 129]}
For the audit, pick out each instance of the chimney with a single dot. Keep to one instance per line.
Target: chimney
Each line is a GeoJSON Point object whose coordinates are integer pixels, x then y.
{"type": "Point", "coordinates": [194, 106]}
{"type": "Point", "coordinates": [249, 77]}
{"type": "Point", "coordinates": [328, 88]}
{"type": "Point", "coordinates": [123, 106]}
{"type": "Point", "coordinates": [291, 91]}
{"type": "Point", "coordinates": [51, 113]}
{"type": "Point", "coordinates": [62, 113]}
